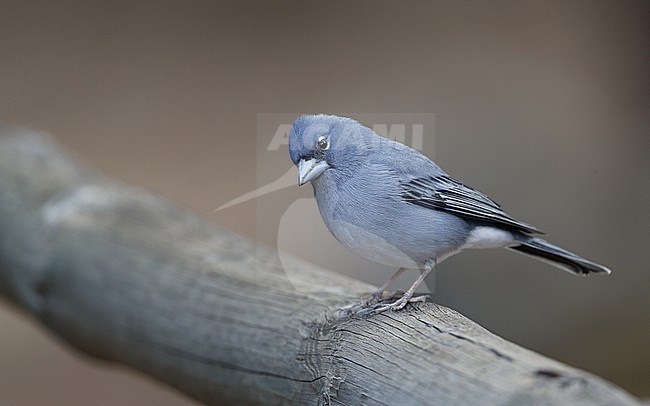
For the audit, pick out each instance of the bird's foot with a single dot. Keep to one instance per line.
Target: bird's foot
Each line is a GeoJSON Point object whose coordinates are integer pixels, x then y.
{"type": "Point", "coordinates": [374, 304]}
{"type": "Point", "coordinates": [400, 303]}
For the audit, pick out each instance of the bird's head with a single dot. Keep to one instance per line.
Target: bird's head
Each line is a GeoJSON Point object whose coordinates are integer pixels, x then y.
{"type": "Point", "coordinates": [320, 143]}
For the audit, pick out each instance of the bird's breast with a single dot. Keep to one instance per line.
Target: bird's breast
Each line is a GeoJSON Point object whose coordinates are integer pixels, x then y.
{"type": "Point", "coordinates": [377, 225]}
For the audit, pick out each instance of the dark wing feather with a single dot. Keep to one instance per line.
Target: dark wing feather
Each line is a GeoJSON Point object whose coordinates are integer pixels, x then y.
{"type": "Point", "coordinates": [446, 194]}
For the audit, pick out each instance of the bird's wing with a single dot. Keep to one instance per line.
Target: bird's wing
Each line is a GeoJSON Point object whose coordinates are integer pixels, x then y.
{"type": "Point", "coordinates": [446, 194]}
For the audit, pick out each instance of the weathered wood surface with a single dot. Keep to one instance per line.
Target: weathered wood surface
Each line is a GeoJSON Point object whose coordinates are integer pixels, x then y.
{"type": "Point", "coordinates": [132, 278]}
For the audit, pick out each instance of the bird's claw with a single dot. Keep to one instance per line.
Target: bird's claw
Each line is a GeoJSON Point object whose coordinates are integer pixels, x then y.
{"type": "Point", "coordinates": [374, 304]}
{"type": "Point", "coordinates": [400, 303]}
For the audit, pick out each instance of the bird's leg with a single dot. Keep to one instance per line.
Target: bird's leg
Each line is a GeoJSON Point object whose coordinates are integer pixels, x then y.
{"type": "Point", "coordinates": [408, 295]}
{"type": "Point", "coordinates": [378, 296]}
{"type": "Point", "coordinates": [423, 298]}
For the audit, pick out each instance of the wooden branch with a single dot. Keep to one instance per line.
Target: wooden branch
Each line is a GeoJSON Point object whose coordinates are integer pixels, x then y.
{"type": "Point", "coordinates": [129, 277]}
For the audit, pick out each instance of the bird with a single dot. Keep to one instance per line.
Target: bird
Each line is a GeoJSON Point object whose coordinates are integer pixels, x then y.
{"type": "Point", "coordinates": [391, 204]}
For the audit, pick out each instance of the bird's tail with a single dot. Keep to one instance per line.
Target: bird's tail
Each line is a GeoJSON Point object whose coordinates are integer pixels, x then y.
{"type": "Point", "coordinates": [556, 256]}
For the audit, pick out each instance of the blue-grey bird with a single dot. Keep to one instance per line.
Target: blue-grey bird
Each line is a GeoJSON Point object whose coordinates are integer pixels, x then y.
{"type": "Point", "coordinates": [389, 203]}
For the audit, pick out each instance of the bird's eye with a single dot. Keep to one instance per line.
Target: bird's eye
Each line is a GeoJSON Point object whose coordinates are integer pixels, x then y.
{"type": "Point", "coordinates": [323, 143]}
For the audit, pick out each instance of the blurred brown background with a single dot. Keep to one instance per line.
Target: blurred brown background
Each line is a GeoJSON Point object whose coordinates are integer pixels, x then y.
{"type": "Point", "coordinates": [543, 105]}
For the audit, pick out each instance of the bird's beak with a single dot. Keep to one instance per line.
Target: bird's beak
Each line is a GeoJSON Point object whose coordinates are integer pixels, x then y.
{"type": "Point", "coordinates": [309, 170]}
